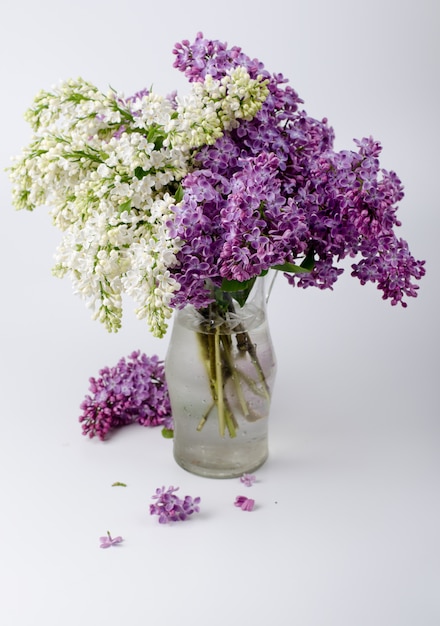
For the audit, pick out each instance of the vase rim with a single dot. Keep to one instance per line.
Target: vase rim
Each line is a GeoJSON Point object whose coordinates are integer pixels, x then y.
{"type": "Point", "coordinates": [246, 318]}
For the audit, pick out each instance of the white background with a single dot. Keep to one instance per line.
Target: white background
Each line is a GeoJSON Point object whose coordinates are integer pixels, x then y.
{"type": "Point", "coordinates": [346, 528]}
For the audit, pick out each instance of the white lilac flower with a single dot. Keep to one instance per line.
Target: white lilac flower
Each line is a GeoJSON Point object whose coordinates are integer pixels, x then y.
{"type": "Point", "coordinates": [215, 106]}
{"type": "Point", "coordinates": [95, 265]}
{"type": "Point", "coordinates": [110, 167]}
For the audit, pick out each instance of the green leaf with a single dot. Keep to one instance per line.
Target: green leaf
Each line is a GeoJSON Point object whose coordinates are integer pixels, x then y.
{"type": "Point", "coordinates": [290, 268]}
{"type": "Point", "coordinates": [167, 433]}
{"type": "Point", "coordinates": [239, 290]}
{"type": "Point", "coordinates": [156, 135]}
{"type": "Point", "coordinates": [236, 285]}
{"type": "Point", "coordinates": [306, 266]}
{"type": "Point", "coordinates": [309, 261]}
{"type": "Point", "coordinates": [125, 206]}
{"type": "Point", "coordinates": [139, 172]}
{"type": "Point", "coordinates": [178, 196]}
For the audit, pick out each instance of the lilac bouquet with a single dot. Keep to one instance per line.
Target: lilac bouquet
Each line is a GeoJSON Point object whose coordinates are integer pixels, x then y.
{"type": "Point", "coordinates": [164, 198]}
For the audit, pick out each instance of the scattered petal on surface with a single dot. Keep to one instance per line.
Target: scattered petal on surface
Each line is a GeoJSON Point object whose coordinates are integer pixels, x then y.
{"type": "Point", "coordinates": [108, 541]}
{"type": "Point", "coordinates": [170, 508]}
{"type": "Point", "coordinates": [248, 479]}
{"type": "Point", "coordinates": [245, 504]}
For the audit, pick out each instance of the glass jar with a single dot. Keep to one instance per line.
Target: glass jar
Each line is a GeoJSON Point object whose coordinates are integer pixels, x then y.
{"type": "Point", "coordinates": [220, 370]}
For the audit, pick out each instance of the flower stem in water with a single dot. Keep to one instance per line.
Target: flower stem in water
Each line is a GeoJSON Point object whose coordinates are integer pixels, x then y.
{"type": "Point", "coordinates": [219, 384]}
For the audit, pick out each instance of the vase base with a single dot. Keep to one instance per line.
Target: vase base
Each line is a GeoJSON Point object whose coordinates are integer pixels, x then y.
{"type": "Point", "coordinates": [212, 470]}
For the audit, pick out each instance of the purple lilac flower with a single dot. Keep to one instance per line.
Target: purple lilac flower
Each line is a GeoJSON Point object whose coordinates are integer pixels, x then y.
{"type": "Point", "coordinates": [134, 390]}
{"type": "Point", "coordinates": [171, 508]}
{"type": "Point", "coordinates": [388, 262]}
{"type": "Point", "coordinates": [274, 190]}
{"type": "Point", "coordinates": [248, 479]}
{"type": "Point", "coordinates": [108, 541]}
{"type": "Point", "coordinates": [245, 504]}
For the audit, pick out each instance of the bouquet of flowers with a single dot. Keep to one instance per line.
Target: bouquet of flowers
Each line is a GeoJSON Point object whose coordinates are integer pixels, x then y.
{"type": "Point", "coordinates": [163, 197]}
{"type": "Point", "coordinates": [179, 200]}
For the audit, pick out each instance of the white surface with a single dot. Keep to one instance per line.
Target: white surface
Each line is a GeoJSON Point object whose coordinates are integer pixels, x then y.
{"type": "Point", "coordinates": [346, 529]}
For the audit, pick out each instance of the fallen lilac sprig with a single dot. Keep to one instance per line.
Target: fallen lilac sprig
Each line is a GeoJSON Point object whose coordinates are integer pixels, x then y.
{"type": "Point", "coordinates": [135, 390]}
{"type": "Point", "coordinates": [245, 504]}
{"type": "Point", "coordinates": [108, 541]}
{"type": "Point", "coordinates": [171, 508]}
{"type": "Point", "coordinates": [248, 479]}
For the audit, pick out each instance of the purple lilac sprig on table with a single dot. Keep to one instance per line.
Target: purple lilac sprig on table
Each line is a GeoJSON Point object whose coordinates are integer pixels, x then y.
{"type": "Point", "coordinates": [170, 508]}
{"type": "Point", "coordinates": [273, 191]}
{"type": "Point", "coordinates": [135, 390]}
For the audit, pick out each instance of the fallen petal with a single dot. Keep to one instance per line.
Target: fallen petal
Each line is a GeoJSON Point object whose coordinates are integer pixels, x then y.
{"type": "Point", "coordinates": [248, 479]}
{"type": "Point", "coordinates": [245, 504]}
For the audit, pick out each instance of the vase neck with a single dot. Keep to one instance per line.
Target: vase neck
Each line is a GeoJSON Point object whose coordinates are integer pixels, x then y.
{"type": "Point", "coordinates": [230, 311]}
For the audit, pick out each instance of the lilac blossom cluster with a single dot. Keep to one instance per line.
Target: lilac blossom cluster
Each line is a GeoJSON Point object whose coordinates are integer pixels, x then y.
{"type": "Point", "coordinates": [134, 390]}
{"type": "Point", "coordinates": [170, 508]}
{"type": "Point", "coordinates": [273, 193]}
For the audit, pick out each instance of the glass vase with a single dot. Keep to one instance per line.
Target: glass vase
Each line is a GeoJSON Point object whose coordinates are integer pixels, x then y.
{"type": "Point", "coordinates": [220, 370]}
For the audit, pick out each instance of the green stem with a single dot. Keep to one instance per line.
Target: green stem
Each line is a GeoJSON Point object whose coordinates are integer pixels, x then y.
{"type": "Point", "coordinates": [231, 422]}
{"type": "Point", "coordinates": [245, 344]}
{"type": "Point", "coordinates": [217, 354]}
{"type": "Point", "coordinates": [219, 384]}
{"type": "Point", "coordinates": [252, 384]}
{"type": "Point", "coordinates": [205, 417]}
{"type": "Point", "coordinates": [227, 345]}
